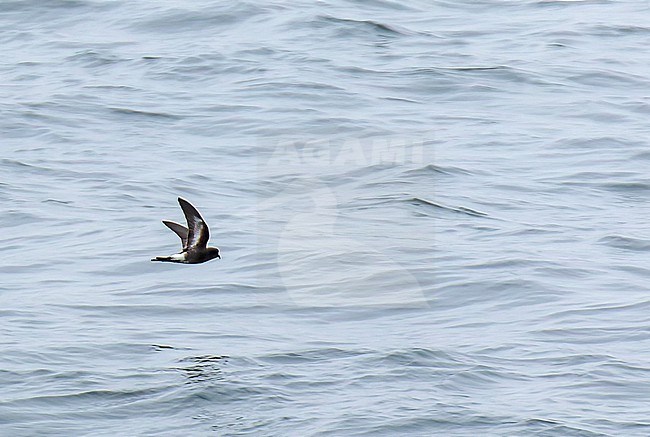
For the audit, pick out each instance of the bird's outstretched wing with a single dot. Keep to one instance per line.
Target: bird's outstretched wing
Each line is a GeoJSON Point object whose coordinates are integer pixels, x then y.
{"type": "Point", "coordinates": [180, 230]}
{"type": "Point", "coordinates": [198, 234]}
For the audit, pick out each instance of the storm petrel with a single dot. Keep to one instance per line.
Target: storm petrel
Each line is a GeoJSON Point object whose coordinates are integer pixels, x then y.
{"type": "Point", "coordinates": [195, 239]}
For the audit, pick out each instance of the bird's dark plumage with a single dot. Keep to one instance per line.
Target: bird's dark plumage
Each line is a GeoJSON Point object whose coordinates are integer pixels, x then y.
{"type": "Point", "coordinates": [180, 230]}
{"type": "Point", "coordinates": [198, 231]}
{"type": "Point", "coordinates": [195, 238]}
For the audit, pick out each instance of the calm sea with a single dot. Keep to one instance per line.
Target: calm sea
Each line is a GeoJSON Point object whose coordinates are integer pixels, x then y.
{"type": "Point", "coordinates": [433, 217]}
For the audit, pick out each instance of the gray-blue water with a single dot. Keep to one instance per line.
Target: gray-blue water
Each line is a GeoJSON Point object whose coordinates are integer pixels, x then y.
{"type": "Point", "coordinates": [434, 217]}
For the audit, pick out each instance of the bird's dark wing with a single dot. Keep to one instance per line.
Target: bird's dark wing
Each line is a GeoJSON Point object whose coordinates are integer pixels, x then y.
{"type": "Point", "coordinates": [180, 230]}
{"type": "Point", "coordinates": [198, 234]}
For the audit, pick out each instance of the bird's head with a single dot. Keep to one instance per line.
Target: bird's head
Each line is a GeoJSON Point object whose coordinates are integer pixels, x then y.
{"type": "Point", "coordinates": [213, 252]}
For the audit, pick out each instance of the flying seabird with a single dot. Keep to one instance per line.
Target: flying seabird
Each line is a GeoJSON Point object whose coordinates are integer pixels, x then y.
{"type": "Point", "coordinates": [195, 239]}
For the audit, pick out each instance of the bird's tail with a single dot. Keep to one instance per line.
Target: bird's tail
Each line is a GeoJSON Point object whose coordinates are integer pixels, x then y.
{"type": "Point", "coordinates": [162, 258]}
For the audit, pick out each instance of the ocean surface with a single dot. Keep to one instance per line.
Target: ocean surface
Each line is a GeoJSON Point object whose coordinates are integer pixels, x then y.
{"type": "Point", "coordinates": [434, 218]}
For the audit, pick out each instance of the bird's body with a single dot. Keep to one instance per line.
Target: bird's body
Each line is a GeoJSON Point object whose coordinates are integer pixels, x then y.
{"type": "Point", "coordinates": [194, 238]}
